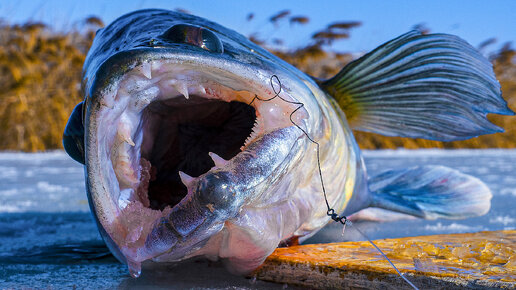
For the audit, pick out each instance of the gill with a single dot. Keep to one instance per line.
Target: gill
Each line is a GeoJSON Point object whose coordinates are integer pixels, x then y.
{"type": "Point", "coordinates": [331, 211]}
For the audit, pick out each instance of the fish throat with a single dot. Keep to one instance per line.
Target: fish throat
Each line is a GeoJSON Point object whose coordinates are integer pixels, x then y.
{"type": "Point", "coordinates": [178, 136]}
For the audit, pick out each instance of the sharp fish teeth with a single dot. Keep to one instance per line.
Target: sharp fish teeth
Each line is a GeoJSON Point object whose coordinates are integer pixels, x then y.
{"type": "Point", "coordinates": [201, 89]}
{"type": "Point", "coordinates": [129, 141]}
{"type": "Point", "coordinates": [219, 161]}
{"type": "Point", "coordinates": [124, 131]}
{"type": "Point", "coordinates": [146, 70]}
{"type": "Point", "coordinates": [186, 179]}
{"type": "Point", "coordinates": [182, 88]}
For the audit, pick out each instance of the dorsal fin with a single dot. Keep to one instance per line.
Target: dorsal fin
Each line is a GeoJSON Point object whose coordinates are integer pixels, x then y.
{"type": "Point", "coordinates": [434, 86]}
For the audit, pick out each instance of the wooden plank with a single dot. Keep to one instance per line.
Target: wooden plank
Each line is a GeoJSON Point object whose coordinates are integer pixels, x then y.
{"type": "Point", "coordinates": [474, 260]}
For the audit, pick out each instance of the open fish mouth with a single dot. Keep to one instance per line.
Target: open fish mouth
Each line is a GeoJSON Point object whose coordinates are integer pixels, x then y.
{"type": "Point", "coordinates": [196, 142]}
{"type": "Point", "coordinates": [169, 136]}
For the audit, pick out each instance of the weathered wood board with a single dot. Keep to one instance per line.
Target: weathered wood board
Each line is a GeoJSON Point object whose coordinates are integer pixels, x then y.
{"type": "Point", "coordinates": [474, 260]}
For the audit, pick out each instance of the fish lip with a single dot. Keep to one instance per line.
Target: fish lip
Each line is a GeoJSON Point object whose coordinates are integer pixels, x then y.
{"type": "Point", "coordinates": [107, 77]}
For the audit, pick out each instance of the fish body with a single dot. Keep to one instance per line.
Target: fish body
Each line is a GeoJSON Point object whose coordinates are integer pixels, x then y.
{"type": "Point", "coordinates": [197, 142]}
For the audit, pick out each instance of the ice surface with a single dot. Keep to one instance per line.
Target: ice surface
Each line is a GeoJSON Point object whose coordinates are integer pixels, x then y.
{"type": "Point", "coordinates": [41, 182]}
{"type": "Point", "coordinates": [43, 210]}
{"type": "Point", "coordinates": [495, 167]}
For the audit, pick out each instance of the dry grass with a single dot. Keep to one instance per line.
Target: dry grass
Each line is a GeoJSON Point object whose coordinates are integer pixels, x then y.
{"type": "Point", "coordinates": [316, 61]}
{"type": "Point", "coordinates": [40, 74]}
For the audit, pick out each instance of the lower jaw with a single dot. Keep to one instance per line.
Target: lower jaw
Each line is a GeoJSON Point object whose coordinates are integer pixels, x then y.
{"type": "Point", "coordinates": [142, 233]}
{"type": "Point", "coordinates": [137, 217]}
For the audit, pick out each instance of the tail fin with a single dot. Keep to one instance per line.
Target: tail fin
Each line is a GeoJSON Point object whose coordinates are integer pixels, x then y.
{"type": "Point", "coordinates": [430, 192]}
{"type": "Point", "coordinates": [434, 86]}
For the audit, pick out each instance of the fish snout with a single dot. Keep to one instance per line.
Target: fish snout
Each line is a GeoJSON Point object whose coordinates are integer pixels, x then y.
{"type": "Point", "coordinates": [194, 35]}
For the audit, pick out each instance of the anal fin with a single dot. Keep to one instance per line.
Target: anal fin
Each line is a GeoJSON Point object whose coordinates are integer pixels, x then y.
{"type": "Point", "coordinates": [430, 192]}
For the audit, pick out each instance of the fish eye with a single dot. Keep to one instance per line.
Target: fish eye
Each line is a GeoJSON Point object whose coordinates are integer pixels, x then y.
{"type": "Point", "coordinates": [194, 35]}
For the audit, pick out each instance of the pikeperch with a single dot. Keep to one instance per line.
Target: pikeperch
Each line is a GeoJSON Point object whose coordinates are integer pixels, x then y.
{"type": "Point", "coordinates": [187, 152]}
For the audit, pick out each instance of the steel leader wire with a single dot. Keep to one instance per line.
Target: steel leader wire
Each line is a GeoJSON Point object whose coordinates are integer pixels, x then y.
{"type": "Point", "coordinates": [330, 212]}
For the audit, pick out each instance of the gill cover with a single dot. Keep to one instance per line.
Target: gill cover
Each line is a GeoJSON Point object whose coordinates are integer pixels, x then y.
{"type": "Point", "coordinates": [434, 86]}
{"type": "Point", "coordinates": [73, 135]}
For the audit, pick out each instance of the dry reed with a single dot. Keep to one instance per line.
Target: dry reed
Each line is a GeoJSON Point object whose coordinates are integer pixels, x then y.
{"type": "Point", "coordinates": [40, 74]}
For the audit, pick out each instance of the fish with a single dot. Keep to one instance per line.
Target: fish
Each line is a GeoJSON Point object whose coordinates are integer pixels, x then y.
{"type": "Point", "coordinates": [197, 142]}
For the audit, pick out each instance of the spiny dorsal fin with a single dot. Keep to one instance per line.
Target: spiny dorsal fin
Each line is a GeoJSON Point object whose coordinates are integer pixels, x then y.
{"type": "Point", "coordinates": [434, 86]}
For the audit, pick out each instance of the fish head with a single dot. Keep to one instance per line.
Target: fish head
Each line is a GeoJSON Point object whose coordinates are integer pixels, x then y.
{"type": "Point", "coordinates": [186, 122]}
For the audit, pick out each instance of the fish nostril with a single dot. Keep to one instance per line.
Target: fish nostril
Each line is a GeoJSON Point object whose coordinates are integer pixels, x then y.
{"type": "Point", "coordinates": [194, 35]}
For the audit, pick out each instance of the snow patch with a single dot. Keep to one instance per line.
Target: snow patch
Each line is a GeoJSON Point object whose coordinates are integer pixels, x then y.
{"type": "Point", "coordinates": [505, 220]}
{"type": "Point", "coordinates": [8, 172]}
{"type": "Point", "coordinates": [9, 208]}
{"type": "Point", "coordinates": [47, 187]}
{"type": "Point", "coordinates": [388, 153]}
{"type": "Point", "coordinates": [508, 191]}
{"type": "Point", "coordinates": [41, 156]}
{"type": "Point", "coordinates": [453, 227]}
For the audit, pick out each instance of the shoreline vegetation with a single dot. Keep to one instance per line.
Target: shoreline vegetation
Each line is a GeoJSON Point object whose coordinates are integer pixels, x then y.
{"type": "Point", "coordinates": [40, 76]}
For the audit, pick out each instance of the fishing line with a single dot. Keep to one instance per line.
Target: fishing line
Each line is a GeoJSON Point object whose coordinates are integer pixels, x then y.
{"type": "Point", "coordinates": [330, 212]}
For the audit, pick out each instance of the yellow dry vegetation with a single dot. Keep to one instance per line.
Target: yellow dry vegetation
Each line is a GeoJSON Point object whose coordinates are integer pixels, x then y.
{"type": "Point", "coordinates": [316, 61]}
{"type": "Point", "coordinates": [40, 75]}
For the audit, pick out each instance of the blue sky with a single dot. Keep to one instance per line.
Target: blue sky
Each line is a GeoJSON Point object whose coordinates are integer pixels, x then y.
{"type": "Point", "coordinates": [472, 20]}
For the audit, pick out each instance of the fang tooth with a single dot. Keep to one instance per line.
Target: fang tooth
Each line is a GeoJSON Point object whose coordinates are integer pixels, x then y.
{"type": "Point", "coordinates": [186, 179]}
{"type": "Point", "coordinates": [219, 161]}
{"type": "Point", "coordinates": [146, 70]}
{"type": "Point", "coordinates": [202, 90]}
{"type": "Point", "coordinates": [124, 130]}
{"type": "Point", "coordinates": [182, 89]}
{"type": "Point", "coordinates": [129, 141]}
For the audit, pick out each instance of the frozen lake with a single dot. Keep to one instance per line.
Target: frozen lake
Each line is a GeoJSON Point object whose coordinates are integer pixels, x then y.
{"type": "Point", "coordinates": [48, 238]}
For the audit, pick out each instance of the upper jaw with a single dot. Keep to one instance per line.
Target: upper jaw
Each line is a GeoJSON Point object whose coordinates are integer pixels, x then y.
{"type": "Point", "coordinates": [113, 147]}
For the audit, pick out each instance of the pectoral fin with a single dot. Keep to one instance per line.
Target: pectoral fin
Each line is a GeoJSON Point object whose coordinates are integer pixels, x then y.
{"type": "Point", "coordinates": [73, 136]}
{"type": "Point", "coordinates": [430, 192]}
{"type": "Point", "coordinates": [434, 86]}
